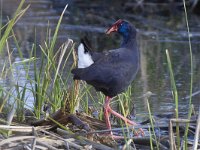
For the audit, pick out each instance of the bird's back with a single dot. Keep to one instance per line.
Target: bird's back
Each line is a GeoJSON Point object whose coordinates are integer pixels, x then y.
{"type": "Point", "coordinates": [112, 73]}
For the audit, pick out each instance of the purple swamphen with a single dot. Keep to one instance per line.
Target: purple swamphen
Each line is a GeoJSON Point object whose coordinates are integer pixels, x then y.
{"type": "Point", "coordinates": [110, 72]}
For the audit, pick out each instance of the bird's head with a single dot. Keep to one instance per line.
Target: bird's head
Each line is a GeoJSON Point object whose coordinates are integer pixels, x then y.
{"type": "Point", "coordinates": [123, 27]}
{"type": "Point", "coordinates": [120, 26]}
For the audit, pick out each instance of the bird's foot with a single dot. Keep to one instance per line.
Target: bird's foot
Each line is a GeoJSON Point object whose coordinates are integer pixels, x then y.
{"type": "Point", "coordinates": [136, 132]}
{"type": "Point", "coordinates": [139, 132]}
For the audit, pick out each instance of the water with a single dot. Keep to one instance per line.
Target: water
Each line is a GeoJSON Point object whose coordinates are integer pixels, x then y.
{"type": "Point", "coordinates": [157, 31]}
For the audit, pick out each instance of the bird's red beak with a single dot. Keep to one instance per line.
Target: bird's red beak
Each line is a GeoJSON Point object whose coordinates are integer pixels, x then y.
{"type": "Point", "coordinates": [114, 27]}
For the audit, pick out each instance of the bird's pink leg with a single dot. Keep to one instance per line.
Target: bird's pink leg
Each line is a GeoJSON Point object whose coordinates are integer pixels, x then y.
{"type": "Point", "coordinates": [108, 109]}
{"type": "Point", "coordinates": [107, 119]}
{"type": "Point", "coordinates": [106, 113]}
{"type": "Point", "coordinates": [120, 116]}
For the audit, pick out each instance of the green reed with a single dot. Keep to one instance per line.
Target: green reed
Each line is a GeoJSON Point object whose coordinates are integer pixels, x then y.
{"type": "Point", "coordinates": [124, 107]}
{"type": "Point", "coordinates": [125, 101]}
{"type": "Point", "coordinates": [175, 93]}
{"type": "Point", "coordinates": [8, 30]}
{"type": "Point", "coordinates": [49, 75]}
{"type": "Point", "coordinates": [191, 77]}
{"type": "Point", "coordinates": [152, 126]}
{"type": "Point", "coordinates": [175, 96]}
{"type": "Point", "coordinates": [9, 26]}
{"type": "Point", "coordinates": [20, 102]}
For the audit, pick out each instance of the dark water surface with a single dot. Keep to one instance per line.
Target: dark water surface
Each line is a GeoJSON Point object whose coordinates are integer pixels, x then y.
{"type": "Point", "coordinates": [158, 30]}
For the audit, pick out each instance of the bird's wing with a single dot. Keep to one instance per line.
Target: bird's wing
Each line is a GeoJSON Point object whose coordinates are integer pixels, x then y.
{"type": "Point", "coordinates": [98, 76]}
{"type": "Point", "coordinates": [105, 71]}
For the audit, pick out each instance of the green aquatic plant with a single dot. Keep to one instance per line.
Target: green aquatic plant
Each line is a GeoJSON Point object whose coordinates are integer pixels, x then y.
{"type": "Point", "coordinates": [9, 26]}
{"type": "Point", "coordinates": [152, 126]}
{"type": "Point", "coordinates": [175, 96]}
{"type": "Point", "coordinates": [191, 77]}
{"type": "Point", "coordinates": [49, 75]}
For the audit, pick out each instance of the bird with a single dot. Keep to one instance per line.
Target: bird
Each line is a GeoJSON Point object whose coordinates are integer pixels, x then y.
{"type": "Point", "coordinates": [111, 71]}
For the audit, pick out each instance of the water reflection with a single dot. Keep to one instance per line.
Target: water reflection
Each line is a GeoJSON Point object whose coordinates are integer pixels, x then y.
{"type": "Point", "coordinates": [156, 34]}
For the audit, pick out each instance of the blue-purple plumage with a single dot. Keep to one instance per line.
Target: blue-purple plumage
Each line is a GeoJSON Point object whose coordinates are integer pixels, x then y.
{"type": "Point", "coordinates": [114, 70]}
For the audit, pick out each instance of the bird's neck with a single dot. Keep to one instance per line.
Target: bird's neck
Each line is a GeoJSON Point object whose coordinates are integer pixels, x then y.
{"type": "Point", "coordinates": [129, 40]}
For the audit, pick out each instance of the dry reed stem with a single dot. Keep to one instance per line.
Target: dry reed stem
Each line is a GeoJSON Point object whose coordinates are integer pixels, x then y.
{"type": "Point", "coordinates": [171, 133]}
{"type": "Point", "coordinates": [18, 128]}
{"type": "Point", "coordinates": [196, 138]}
{"type": "Point", "coordinates": [12, 139]}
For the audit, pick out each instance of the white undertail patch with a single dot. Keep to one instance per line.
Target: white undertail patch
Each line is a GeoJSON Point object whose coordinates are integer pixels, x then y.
{"type": "Point", "coordinates": [84, 59]}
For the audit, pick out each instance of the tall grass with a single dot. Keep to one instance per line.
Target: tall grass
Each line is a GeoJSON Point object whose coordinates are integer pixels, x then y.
{"type": "Point", "coordinates": [18, 14]}
{"type": "Point", "coordinates": [6, 95]}
{"type": "Point", "coordinates": [152, 126]}
{"type": "Point", "coordinates": [175, 96]}
{"type": "Point", "coordinates": [49, 76]}
{"type": "Point", "coordinates": [20, 102]}
{"type": "Point", "coordinates": [125, 102]}
{"type": "Point", "coordinates": [191, 79]}
{"type": "Point", "coordinates": [45, 79]}
{"type": "Point", "coordinates": [175, 93]}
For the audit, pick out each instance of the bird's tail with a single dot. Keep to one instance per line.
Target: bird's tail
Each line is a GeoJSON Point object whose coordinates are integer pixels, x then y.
{"type": "Point", "coordinates": [84, 56]}
{"type": "Point", "coordinates": [87, 44]}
